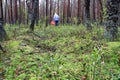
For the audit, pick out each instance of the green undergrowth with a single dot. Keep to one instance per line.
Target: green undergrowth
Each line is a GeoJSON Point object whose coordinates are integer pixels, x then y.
{"type": "Point", "coordinates": [60, 53]}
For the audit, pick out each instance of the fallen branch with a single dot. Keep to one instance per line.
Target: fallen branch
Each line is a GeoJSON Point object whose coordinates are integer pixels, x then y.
{"type": "Point", "coordinates": [1, 48]}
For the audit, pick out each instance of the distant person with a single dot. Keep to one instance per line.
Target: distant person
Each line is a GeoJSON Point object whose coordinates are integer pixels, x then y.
{"type": "Point", "coordinates": [56, 19]}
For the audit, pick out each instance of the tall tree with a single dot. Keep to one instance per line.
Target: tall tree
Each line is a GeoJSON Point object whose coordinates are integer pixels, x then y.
{"type": "Point", "coordinates": [58, 8]}
{"type": "Point", "coordinates": [5, 20]}
{"type": "Point", "coordinates": [11, 12]}
{"type": "Point", "coordinates": [87, 9]}
{"type": "Point", "coordinates": [1, 13]}
{"type": "Point", "coordinates": [94, 7]}
{"type": "Point", "coordinates": [37, 18]}
{"type": "Point", "coordinates": [64, 11]}
{"type": "Point", "coordinates": [51, 3]}
{"type": "Point", "coordinates": [68, 12]}
{"type": "Point", "coordinates": [119, 15]}
{"type": "Point", "coordinates": [87, 14]}
{"type": "Point", "coordinates": [29, 10]}
{"type": "Point", "coordinates": [34, 14]}
{"type": "Point", "coordinates": [79, 10]}
{"type": "Point", "coordinates": [46, 13]}
{"type": "Point", "coordinates": [20, 15]}
{"type": "Point", "coordinates": [15, 11]}
{"type": "Point", "coordinates": [101, 11]}
{"type": "Point", "coordinates": [112, 19]}
{"type": "Point", "coordinates": [23, 11]}
{"type": "Point", "coordinates": [2, 31]}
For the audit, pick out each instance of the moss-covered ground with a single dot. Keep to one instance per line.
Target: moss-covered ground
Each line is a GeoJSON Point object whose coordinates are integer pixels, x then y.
{"type": "Point", "coordinates": [59, 53]}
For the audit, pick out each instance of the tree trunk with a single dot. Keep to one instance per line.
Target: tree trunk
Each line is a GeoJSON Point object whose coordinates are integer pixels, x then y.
{"type": "Point", "coordinates": [5, 20]}
{"type": "Point", "coordinates": [58, 7]}
{"type": "Point", "coordinates": [15, 11]}
{"type": "Point", "coordinates": [37, 17]}
{"type": "Point", "coordinates": [20, 12]}
{"type": "Point", "coordinates": [34, 14]}
{"type": "Point", "coordinates": [101, 11]}
{"type": "Point", "coordinates": [94, 5]}
{"type": "Point", "coordinates": [64, 11]}
{"type": "Point", "coordinates": [46, 13]}
{"type": "Point", "coordinates": [87, 9]}
{"type": "Point", "coordinates": [2, 31]}
{"type": "Point", "coordinates": [68, 12]}
{"type": "Point", "coordinates": [119, 15]}
{"type": "Point", "coordinates": [29, 10]}
{"type": "Point", "coordinates": [78, 14]}
{"type": "Point", "coordinates": [87, 14]}
{"type": "Point", "coordinates": [9, 14]}
{"type": "Point", "coordinates": [11, 11]}
{"type": "Point", "coordinates": [51, 10]}
{"type": "Point", "coordinates": [112, 19]}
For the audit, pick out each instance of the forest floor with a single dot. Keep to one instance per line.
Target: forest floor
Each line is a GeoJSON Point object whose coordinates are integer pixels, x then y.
{"type": "Point", "coordinates": [59, 53]}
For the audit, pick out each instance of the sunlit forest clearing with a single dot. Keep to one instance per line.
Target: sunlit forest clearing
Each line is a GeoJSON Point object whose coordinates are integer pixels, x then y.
{"type": "Point", "coordinates": [84, 45]}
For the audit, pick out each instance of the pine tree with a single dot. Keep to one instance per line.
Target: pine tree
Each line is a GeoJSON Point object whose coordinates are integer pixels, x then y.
{"type": "Point", "coordinates": [112, 19]}
{"type": "Point", "coordinates": [2, 31]}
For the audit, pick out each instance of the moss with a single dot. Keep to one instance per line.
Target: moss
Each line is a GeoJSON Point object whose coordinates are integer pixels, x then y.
{"type": "Point", "coordinates": [64, 52]}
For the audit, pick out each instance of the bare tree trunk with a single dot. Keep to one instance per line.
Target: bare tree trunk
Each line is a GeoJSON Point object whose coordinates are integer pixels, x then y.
{"type": "Point", "coordinates": [51, 10]}
{"type": "Point", "coordinates": [87, 14]}
{"type": "Point", "coordinates": [2, 31]}
{"type": "Point", "coordinates": [20, 12]}
{"type": "Point", "coordinates": [46, 13]}
{"type": "Point", "coordinates": [23, 12]}
{"type": "Point", "coordinates": [37, 18]}
{"type": "Point", "coordinates": [94, 10]}
{"type": "Point", "coordinates": [5, 20]}
{"type": "Point", "coordinates": [119, 15]}
{"type": "Point", "coordinates": [78, 14]}
{"type": "Point", "coordinates": [112, 19]}
{"type": "Point", "coordinates": [87, 9]}
{"type": "Point", "coordinates": [29, 10]}
{"type": "Point", "coordinates": [68, 12]}
{"type": "Point", "coordinates": [11, 11]}
{"type": "Point", "coordinates": [58, 6]}
{"type": "Point", "coordinates": [101, 11]}
{"type": "Point", "coordinates": [1, 13]}
{"type": "Point", "coordinates": [15, 11]}
{"type": "Point", "coordinates": [34, 14]}
{"type": "Point", "coordinates": [64, 11]}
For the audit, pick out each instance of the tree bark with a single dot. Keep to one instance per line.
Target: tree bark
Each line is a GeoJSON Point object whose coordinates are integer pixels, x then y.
{"type": "Point", "coordinates": [46, 13]}
{"type": "Point", "coordinates": [2, 31]}
{"type": "Point", "coordinates": [87, 14]}
{"type": "Point", "coordinates": [58, 7]}
{"type": "Point", "coordinates": [20, 12]}
{"type": "Point", "coordinates": [64, 11]}
{"type": "Point", "coordinates": [34, 15]}
{"type": "Point", "coordinates": [15, 11]}
{"type": "Point", "coordinates": [79, 14]}
{"type": "Point", "coordinates": [51, 10]}
{"type": "Point", "coordinates": [11, 11]}
{"type": "Point", "coordinates": [101, 11]}
{"type": "Point", "coordinates": [68, 12]}
{"type": "Point", "coordinates": [112, 19]}
{"type": "Point", "coordinates": [37, 17]}
{"type": "Point", "coordinates": [94, 5]}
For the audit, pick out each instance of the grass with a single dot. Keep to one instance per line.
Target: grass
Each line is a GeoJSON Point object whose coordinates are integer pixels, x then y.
{"type": "Point", "coordinates": [60, 53]}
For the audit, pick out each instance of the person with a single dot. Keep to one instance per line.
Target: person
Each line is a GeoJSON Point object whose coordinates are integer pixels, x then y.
{"type": "Point", "coordinates": [56, 19]}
